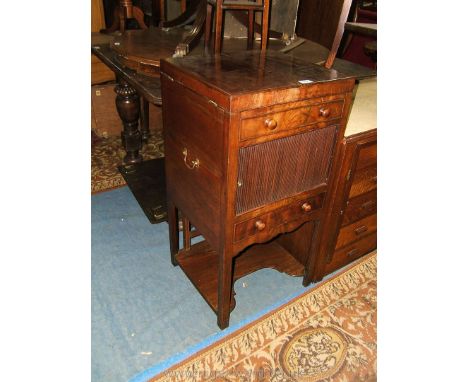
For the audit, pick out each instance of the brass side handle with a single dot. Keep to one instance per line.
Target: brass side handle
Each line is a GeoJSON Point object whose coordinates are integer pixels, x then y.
{"type": "Point", "coordinates": [260, 225]}
{"type": "Point", "coordinates": [324, 112]}
{"type": "Point", "coordinates": [193, 164]}
{"type": "Point", "coordinates": [306, 207]}
{"type": "Point", "coordinates": [360, 230]}
{"type": "Point", "coordinates": [271, 124]}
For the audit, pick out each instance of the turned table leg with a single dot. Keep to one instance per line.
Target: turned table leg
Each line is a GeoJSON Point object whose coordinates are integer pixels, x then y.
{"type": "Point", "coordinates": [128, 107]}
{"type": "Point", "coordinates": [144, 120]}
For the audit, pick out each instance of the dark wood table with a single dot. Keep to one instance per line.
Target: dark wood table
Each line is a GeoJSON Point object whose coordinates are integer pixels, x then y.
{"type": "Point", "coordinates": [130, 86]}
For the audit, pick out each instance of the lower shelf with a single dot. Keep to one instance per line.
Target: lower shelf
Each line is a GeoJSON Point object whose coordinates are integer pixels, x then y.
{"type": "Point", "coordinates": [200, 264]}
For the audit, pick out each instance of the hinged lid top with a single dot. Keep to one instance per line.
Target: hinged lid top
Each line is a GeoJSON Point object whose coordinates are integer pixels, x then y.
{"type": "Point", "coordinates": [251, 71]}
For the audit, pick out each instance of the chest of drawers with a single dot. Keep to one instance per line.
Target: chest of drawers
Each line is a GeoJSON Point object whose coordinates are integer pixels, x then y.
{"type": "Point", "coordinates": [250, 146]}
{"type": "Point", "coordinates": [351, 227]}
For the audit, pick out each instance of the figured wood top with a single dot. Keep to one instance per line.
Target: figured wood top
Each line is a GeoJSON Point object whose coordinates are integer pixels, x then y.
{"type": "Point", "coordinates": [250, 71]}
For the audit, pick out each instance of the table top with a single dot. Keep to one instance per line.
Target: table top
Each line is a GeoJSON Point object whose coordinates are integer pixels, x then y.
{"type": "Point", "coordinates": [148, 87]}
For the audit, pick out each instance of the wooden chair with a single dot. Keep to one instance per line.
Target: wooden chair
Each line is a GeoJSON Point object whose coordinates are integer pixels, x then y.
{"type": "Point", "coordinates": [322, 22]}
{"type": "Point", "coordinates": [360, 44]}
{"type": "Point", "coordinates": [251, 6]}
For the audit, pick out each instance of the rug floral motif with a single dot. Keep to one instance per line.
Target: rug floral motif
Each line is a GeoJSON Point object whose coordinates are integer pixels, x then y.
{"type": "Point", "coordinates": [107, 154]}
{"type": "Point", "coordinates": [327, 334]}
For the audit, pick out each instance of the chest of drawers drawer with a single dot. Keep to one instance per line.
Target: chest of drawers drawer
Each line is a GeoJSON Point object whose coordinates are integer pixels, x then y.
{"type": "Point", "coordinates": [356, 231]}
{"type": "Point", "coordinates": [364, 180]}
{"type": "Point", "coordinates": [351, 252]}
{"type": "Point", "coordinates": [359, 207]}
{"type": "Point", "coordinates": [367, 157]}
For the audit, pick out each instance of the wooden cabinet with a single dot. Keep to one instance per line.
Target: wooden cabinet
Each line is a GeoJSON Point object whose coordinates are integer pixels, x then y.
{"type": "Point", "coordinates": [351, 226]}
{"type": "Point", "coordinates": [250, 145]}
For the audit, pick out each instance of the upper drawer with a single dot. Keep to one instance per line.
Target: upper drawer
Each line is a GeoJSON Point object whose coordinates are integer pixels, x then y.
{"type": "Point", "coordinates": [360, 207]}
{"type": "Point", "coordinates": [367, 156]}
{"type": "Point", "coordinates": [301, 114]}
{"type": "Point", "coordinates": [364, 180]}
{"type": "Point", "coordinates": [270, 223]}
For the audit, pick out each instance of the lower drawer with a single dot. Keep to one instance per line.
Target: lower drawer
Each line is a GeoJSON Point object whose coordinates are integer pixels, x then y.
{"type": "Point", "coordinates": [269, 223]}
{"type": "Point", "coordinates": [351, 252]}
{"type": "Point", "coordinates": [356, 230]}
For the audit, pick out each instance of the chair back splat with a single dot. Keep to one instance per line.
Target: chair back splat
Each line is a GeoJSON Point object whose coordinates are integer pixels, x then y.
{"type": "Point", "coordinates": [323, 21]}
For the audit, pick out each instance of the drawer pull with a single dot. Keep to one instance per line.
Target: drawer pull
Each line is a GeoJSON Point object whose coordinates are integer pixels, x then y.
{"type": "Point", "coordinates": [270, 124]}
{"type": "Point", "coordinates": [353, 252]}
{"type": "Point", "coordinates": [193, 164]}
{"type": "Point", "coordinates": [260, 225]}
{"type": "Point", "coordinates": [360, 230]}
{"type": "Point", "coordinates": [368, 205]}
{"type": "Point", "coordinates": [306, 207]}
{"type": "Point", "coordinates": [324, 112]}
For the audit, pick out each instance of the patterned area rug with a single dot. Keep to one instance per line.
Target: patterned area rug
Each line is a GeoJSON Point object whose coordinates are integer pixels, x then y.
{"type": "Point", "coordinates": [327, 334]}
{"type": "Point", "coordinates": [107, 154]}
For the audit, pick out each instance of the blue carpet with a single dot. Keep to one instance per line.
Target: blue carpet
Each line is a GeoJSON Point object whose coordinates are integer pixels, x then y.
{"type": "Point", "coordinates": [144, 310]}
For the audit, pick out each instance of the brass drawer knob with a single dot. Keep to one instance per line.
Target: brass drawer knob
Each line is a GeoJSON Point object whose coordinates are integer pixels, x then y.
{"type": "Point", "coordinates": [260, 225]}
{"type": "Point", "coordinates": [270, 124]}
{"type": "Point", "coordinates": [367, 206]}
{"type": "Point", "coordinates": [324, 112]}
{"type": "Point", "coordinates": [360, 230]}
{"type": "Point", "coordinates": [306, 207]}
